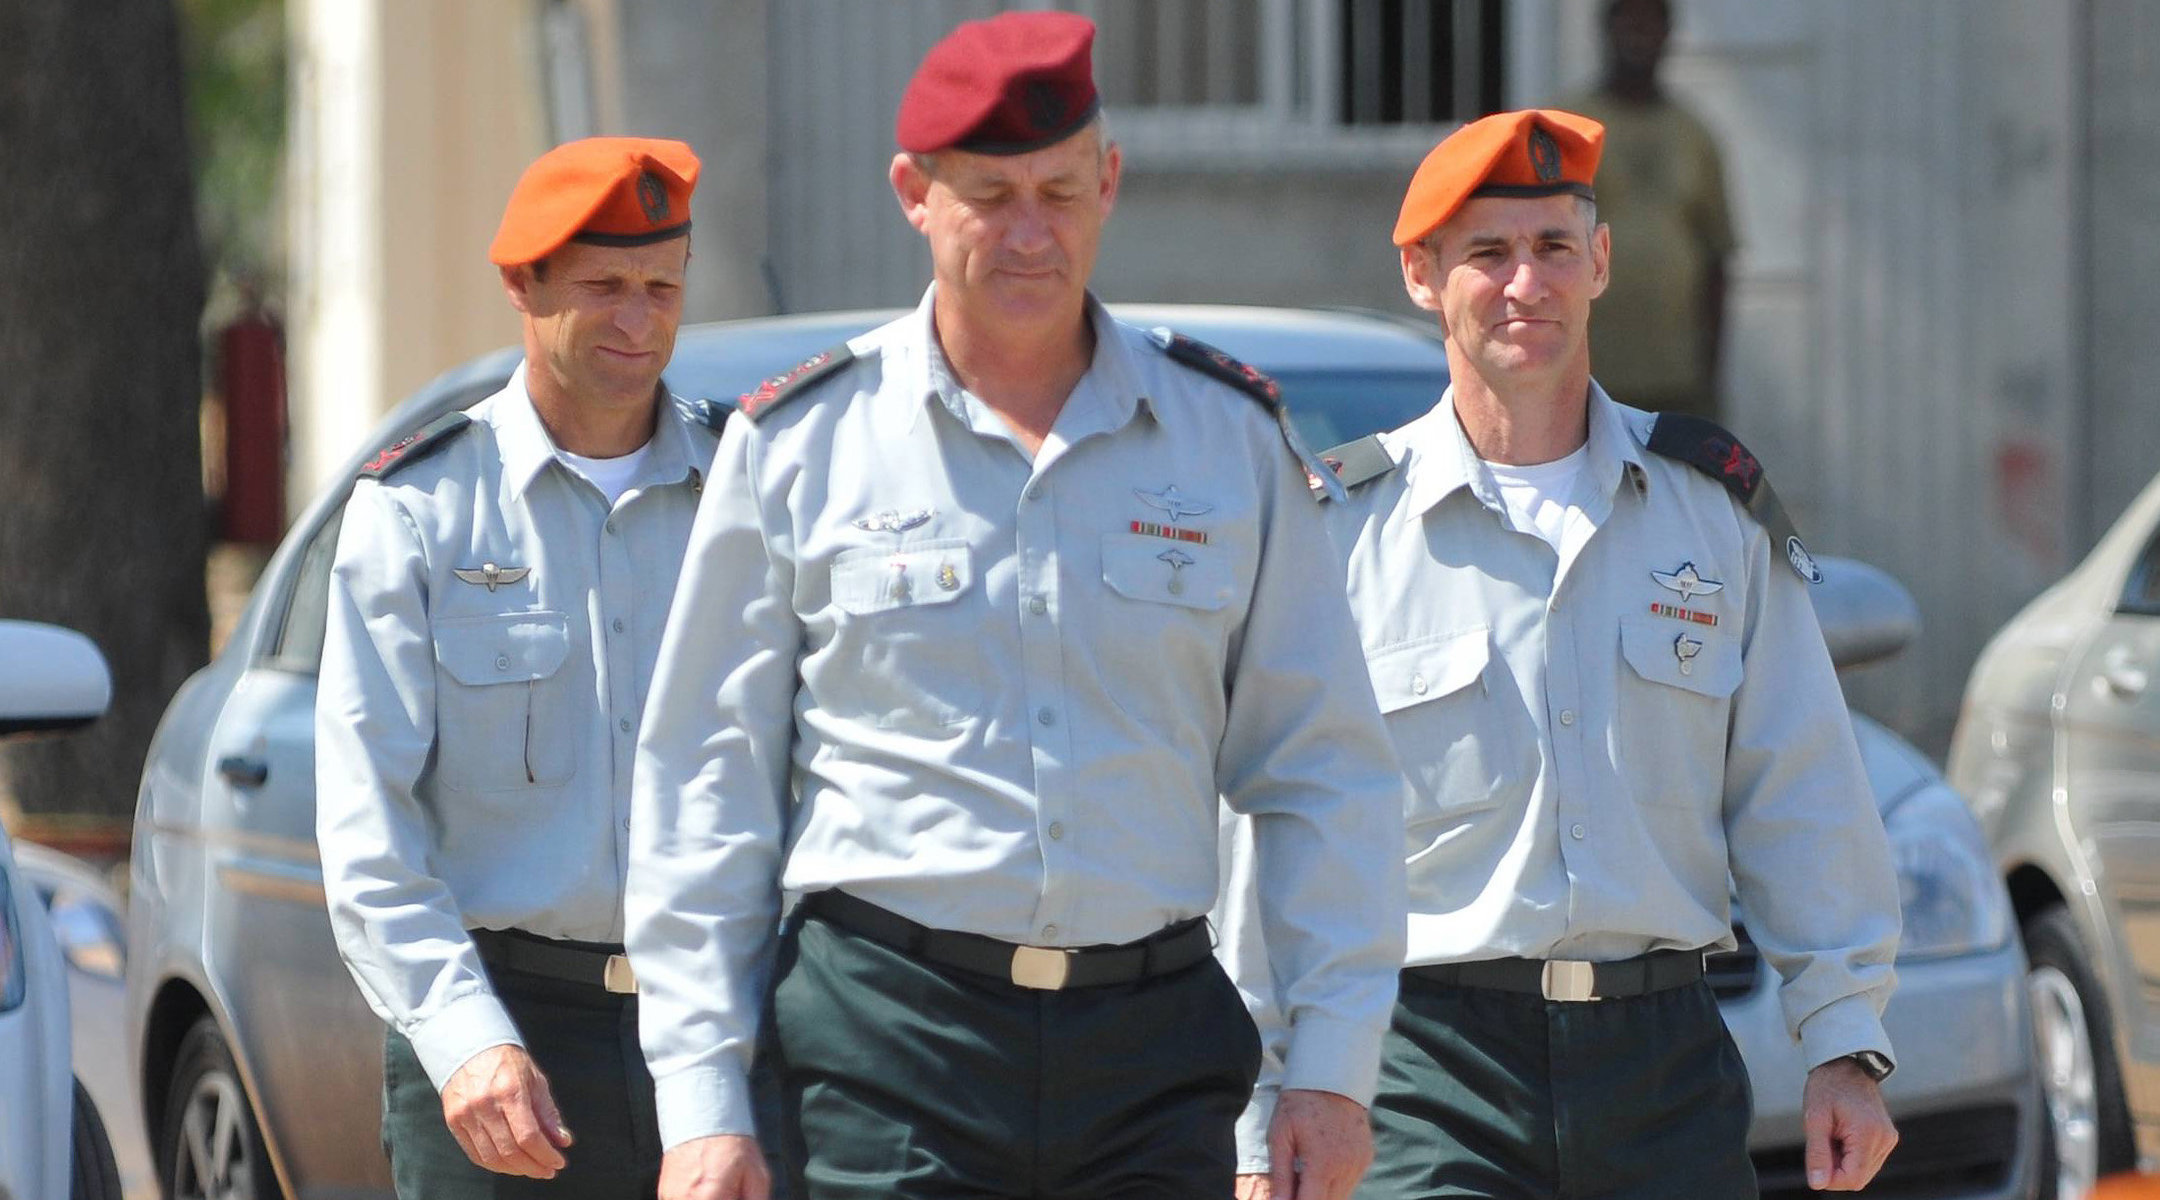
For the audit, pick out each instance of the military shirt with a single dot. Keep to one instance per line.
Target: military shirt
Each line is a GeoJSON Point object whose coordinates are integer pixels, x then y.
{"type": "Point", "coordinates": [493, 625]}
{"type": "Point", "coordinates": [1601, 744]}
{"type": "Point", "coordinates": [1002, 695]}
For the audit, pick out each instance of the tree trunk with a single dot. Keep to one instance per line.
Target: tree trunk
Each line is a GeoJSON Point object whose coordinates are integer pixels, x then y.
{"type": "Point", "coordinates": [101, 289]}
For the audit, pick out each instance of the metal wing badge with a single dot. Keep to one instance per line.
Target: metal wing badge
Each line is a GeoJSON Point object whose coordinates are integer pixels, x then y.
{"type": "Point", "coordinates": [491, 576]}
{"type": "Point", "coordinates": [1173, 503]}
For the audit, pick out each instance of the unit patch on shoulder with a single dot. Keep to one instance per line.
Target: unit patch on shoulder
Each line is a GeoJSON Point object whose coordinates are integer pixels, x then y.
{"type": "Point", "coordinates": [1358, 462]}
{"type": "Point", "coordinates": [780, 389]}
{"type": "Point", "coordinates": [1208, 360]}
{"type": "Point", "coordinates": [431, 437]}
{"type": "Point", "coordinates": [1709, 448]}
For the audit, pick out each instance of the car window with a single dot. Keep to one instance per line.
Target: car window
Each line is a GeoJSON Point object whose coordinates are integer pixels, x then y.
{"type": "Point", "coordinates": [300, 641]}
{"type": "Point", "coordinates": [2141, 595]}
{"type": "Point", "coordinates": [1333, 407]}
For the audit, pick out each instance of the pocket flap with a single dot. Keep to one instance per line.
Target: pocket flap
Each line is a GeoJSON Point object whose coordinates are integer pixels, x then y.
{"type": "Point", "coordinates": [1410, 673]}
{"type": "Point", "coordinates": [1703, 661]}
{"type": "Point", "coordinates": [1139, 567]}
{"type": "Point", "coordinates": [507, 648]}
{"type": "Point", "coordinates": [874, 579]}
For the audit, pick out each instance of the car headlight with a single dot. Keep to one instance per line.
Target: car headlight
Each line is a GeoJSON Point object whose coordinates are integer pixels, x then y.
{"type": "Point", "coordinates": [13, 983]}
{"type": "Point", "coordinates": [88, 932]}
{"type": "Point", "coordinates": [1953, 902]}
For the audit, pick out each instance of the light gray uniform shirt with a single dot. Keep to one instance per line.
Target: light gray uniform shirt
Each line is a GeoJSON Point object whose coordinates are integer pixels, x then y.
{"type": "Point", "coordinates": [1002, 696]}
{"type": "Point", "coordinates": [474, 740]}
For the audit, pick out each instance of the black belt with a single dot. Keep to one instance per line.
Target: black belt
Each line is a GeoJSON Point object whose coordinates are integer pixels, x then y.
{"type": "Point", "coordinates": [1043, 968]}
{"type": "Point", "coordinates": [1558, 979]}
{"type": "Point", "coordinates": [595, 963]}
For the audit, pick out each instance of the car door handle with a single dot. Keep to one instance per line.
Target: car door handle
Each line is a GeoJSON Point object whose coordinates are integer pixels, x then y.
{"type": "Point", "coordinates": [242, 771]}
{"type": "Point", "coordinates": [2124, 677]}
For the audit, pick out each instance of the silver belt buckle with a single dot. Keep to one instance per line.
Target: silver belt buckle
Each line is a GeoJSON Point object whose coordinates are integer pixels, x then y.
{"type": "Point", "coordinates": [1040, 967]}
{"type": "Point", "coordinates": [618, 977]}
{"type": "Point", "coordinates": [1573, 982]}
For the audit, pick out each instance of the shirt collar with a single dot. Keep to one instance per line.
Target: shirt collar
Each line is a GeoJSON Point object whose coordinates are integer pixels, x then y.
{"type": "Point", "coordinates": [527, 449]}
{"type": "Point", "coordinates": [1108, 396]}
{"type": "Point", "coordinates": [1444, 461]}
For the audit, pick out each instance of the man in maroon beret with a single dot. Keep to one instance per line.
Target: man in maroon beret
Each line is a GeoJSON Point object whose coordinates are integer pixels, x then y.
{"type": "Point", "coordinates": [985, 614]}
{"type": "Point", "coordinates": [495, 608]}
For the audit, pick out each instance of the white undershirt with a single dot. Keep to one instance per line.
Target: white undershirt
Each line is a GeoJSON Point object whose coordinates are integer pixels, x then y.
{"type": "Point", "coordinates": [611, 475]}
{"type": "Point", "coordinates": [1538, 498]}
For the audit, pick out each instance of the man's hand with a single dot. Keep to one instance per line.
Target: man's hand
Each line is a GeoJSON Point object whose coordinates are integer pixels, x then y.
{"type": "Point", "coordinates": [1319, 1145]}
{"type": "Point", "coordinates": [500, 1111]}
{"type": "Point", "coordinates": [726, 1166]}
{"type": "Point", "coordinates": [1849, 1133]}
{"type": "Point", "coordinates": [1254, 1187]}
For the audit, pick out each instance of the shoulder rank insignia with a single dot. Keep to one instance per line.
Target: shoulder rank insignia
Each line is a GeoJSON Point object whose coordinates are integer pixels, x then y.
{"type": "Point", "coordinates": [712, 414]}
{"type": "Point", "coordinates": [1358, 462]}
{"type": "Point", "coordinates": [1208, 360]}
{"type": "Point", "coordinates": [780, 389]}
{"type": "Point", "coordinates": [430, 438]}
{"type": "Point", "coordinates": [1708, 447]}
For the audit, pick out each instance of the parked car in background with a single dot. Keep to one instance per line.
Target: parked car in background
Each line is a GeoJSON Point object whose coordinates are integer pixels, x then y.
{"type": "Point", "coordinates": [2058, 748]}
{"type": "Point", "coordinates": [51, 1142]}
{"type": "Point", "coordinates": [86, 915]}
{"type": "Point", "coordinates": [242, 1018]}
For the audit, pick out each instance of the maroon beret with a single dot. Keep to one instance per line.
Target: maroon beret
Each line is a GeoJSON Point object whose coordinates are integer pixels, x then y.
{"type": "Point", "coordinates": [1014, 83]}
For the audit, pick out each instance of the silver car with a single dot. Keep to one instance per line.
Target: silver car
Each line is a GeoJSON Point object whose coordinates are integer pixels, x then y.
{"type": "Point", "coordinates": [2058, 748]}
{"type": "Point", "coordinates": [243, 1020]}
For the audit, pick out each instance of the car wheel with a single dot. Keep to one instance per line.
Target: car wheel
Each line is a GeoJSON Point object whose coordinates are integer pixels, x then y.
{"type": "Point", "coordinates": [2088, 1123]}
{"type": "Point", "coordinates": [95, 1175]}
{"type": "Point", "coordinates": [210, 1147]}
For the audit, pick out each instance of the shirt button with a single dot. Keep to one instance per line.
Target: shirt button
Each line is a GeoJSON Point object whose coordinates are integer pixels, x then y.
{"type": "Point", "coordinates": [626, 822]}
{"type": "Point", "coordinates": [1417, 684]}
{"type": "Point", "coordinates": [1567, 716]}
{"type": "Point", "coordinates": [610, 527]}
{"type": "Point", "coordinates": [1057, 831]}
{"type": "Point", "coordinates": [502, 662]}
{"type": "Point", "coordinates": [618, 625]}
{"type": "Point", "coordinates": [1038, 606]}
{"type": "Point", "coordinates": [1578, 832]}
{"type": "Point", "coordinates": [1034, 491]}
{"type": "Point", "coordinates": [1045, 716]}
{"type": "Point", "coordinates": [623, 724]}
{"type": "Point", "coordinates": [1049, 933]}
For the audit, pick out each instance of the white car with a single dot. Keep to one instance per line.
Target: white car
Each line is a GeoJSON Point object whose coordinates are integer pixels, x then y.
{"type": "Point", "coordinates": [56, 680]}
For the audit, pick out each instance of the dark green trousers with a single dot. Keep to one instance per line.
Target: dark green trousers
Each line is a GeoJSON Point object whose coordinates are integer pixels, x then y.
{"type": "Point", "coordinates": [905, 1080]}
{"type": "Point", "coordinates": [585, 1041]}
{"type": "Point", "coordinates": [1493, 1094]}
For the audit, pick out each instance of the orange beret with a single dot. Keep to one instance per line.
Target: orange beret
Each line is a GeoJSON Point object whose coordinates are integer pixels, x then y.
{"type": "Point", "coordinates": [609, 191]}
{"type": "Point", "coordinates": [1533, 152]}
{"type": "Point", "coordinates": [1016, 82]}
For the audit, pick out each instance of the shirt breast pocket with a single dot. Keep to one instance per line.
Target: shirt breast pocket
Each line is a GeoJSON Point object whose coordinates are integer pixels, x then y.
{"type": "Point", "coordinates": [1462, 742]}
{"type": "Point", "coordinates": [1159, 571]}
{"type": "Point", "coordinates": [504, 718]}
{"type": "Point", "coordinates": [1675, 709]}
{"type": "Point", "coordinates": [875, 580]}
{"type": "Point", "coordinates": [903, 643]}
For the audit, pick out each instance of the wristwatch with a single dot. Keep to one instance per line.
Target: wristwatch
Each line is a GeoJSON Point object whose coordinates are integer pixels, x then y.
{"type": "Point", "coordinates": [1877, 1066]}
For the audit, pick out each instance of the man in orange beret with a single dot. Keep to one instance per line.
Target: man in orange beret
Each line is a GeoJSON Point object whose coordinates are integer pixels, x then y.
{"type": "Point", "coordinates": [985, 614]}
{"type": "Point", "coordinates": [495, 608]}
{"type": "Point", "coordinates": [1590, 633]}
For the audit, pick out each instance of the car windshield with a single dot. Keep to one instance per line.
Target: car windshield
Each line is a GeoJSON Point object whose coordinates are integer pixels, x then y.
{"type": "Point", "coordinates": [1333, 407]}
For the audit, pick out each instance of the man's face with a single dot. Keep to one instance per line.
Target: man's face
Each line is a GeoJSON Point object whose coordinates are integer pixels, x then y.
{"type": "Point", "coordinates": [1512, 281]}
{"type": "Point", "coordinates": [602, 323]}
{"type": "Point", "coordinates": [1012, 237]}
{"type": "Point", "coordinates": [1635, 35]}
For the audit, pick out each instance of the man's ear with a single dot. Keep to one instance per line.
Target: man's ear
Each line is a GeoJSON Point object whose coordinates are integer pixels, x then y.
{"type": "Point", "coordinates": [911, 187]}
{"type": "Point", "coordinates": [1420, 276]}
{"type": "Point", "coordinates": [517, 284]}
{"type": "Point", "coordinates": [1600, 260]}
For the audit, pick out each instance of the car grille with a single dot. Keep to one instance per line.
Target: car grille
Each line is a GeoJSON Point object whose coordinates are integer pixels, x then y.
{"type": "Point", "coordinates": [1732, 973]}
{"type": "Point", "coordinates": [1956, 1153]}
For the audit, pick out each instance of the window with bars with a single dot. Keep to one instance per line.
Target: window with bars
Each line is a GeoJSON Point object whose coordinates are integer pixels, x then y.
{"type": "Point", "coordinates": [1317, 63]}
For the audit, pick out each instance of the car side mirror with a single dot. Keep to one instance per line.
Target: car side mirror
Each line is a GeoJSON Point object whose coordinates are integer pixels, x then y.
{"type": "Point", "coordinates": [1865, 613]}
{"type": "Point", "coordinates": [54, 679]}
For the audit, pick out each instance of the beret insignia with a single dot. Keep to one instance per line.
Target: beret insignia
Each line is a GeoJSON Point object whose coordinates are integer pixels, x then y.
{"type": "Point", "coordinates": [1711, 449]}
{"type": "Point", "coordinates": [431, 436]}
{"type": "Point", "coordinates": [778, 390]}
{"type": "Point", "coordinates": [1544, 155]}
{"type": "Point", "coordinates": [652, 196]}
